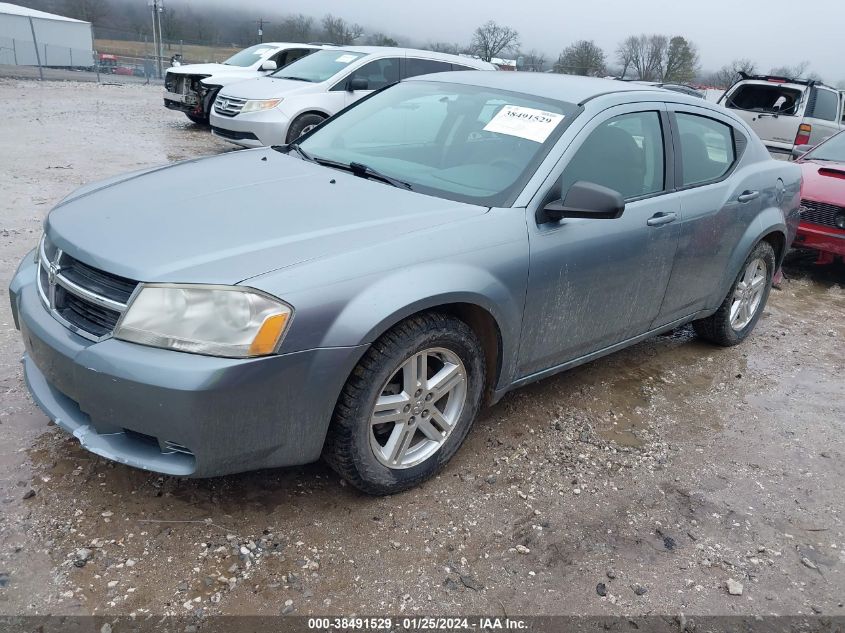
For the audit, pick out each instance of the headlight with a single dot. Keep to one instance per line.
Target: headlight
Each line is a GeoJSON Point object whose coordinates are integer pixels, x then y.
{"type": "Point", "coordinates": [256, 105]}
{"type": "Point", "coordinates": [839, 221]}
{"type": "Point", "coordinates": [215, 320]}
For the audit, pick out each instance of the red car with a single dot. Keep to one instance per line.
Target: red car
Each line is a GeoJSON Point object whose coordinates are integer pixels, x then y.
{"type": "Point", "coordinates": [822, 225]}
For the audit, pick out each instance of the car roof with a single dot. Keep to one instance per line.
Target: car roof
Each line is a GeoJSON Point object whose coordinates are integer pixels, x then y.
{"type": "Point", "coordinates": [569, 88]}
{"type": "Point", "coordinates": [416, 52]}
{"type": "Point", "coordinates": [286, 45]}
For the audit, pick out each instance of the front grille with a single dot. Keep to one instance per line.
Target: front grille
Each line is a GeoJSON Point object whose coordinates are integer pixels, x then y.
{"type": "Point", "coordinates": [229, 106]}
{"type": "Point", "coordinates": [820, 213]}
{"type": "Point", "coordinates": [83, 314]}
{"type": "Point", "coordinates": [87, 300]}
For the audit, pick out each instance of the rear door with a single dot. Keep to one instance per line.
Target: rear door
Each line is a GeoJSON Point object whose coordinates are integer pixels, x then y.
{"type": "Point", "coordinates": [773, 109]}
{"type": "Point", "coordinates": [719, 197]}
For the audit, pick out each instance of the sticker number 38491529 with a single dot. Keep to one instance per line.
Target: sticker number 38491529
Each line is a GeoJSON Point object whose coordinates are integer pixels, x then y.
{"type": "Point", "coordinates": [528, 123]}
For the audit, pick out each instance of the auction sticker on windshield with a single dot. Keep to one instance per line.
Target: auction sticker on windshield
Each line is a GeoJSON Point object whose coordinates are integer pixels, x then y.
{"type": "Point", "coordinates": [528, 123]}
{"type": "Point", "coordinates": [345, 59]}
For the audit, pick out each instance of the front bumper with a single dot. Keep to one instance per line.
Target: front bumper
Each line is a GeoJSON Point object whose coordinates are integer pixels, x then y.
{"type": "Point", "coordinates": [821, 238]}
{"type": "Point", "coordinates": [176, 413]}
{"type": "Point", "coordinates": [255, 129]}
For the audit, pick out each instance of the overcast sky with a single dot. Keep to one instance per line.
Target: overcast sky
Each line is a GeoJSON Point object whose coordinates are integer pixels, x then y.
{"type": "Point", "coordinates": [771, 32]}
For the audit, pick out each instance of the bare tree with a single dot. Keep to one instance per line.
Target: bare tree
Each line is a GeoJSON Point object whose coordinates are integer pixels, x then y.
{"type": "Point", "coordinates": [338, 31]}
{"type": "Point", "coordinates": [625, 54]}
{"type": "Point", "coordinates": [444, 47]}
{"type": "Point", "coordinates": [534, 61]}
{"type": "Point", "coordinates": [297, 28]}
{"type": "Point", "coordinates": [491, 40]}
{"type": "Point", "coordinates": [727, 75]}
{"type": "Point", "coordinates": [380, 39]}
{"type": "Point", "coordinates": [584, 57]}
{"type": "Point", "coordinates": [88, 10]}
{"type": "Point", "coordinates": [681, 63]}
{"type": "Point", "coordinates": [800, 70]}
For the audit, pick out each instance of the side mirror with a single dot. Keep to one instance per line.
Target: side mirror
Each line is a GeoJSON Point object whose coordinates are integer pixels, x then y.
{"type": "Point", "coordinates": [269, 65]}
{"type": "Point", "coordinates": [357, 83]}
{"type": "Point", "coordinates": [584, 200]}
{"type": "Point", "coordinates": [799, 150]}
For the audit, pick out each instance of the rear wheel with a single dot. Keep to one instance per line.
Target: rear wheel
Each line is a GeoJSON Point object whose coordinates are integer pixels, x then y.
{"type": "Point", "coordinates": [408, 405]}
{"type": "Point", "coordinates": [741, 309]}
{"type": "Point", "coordinates": [303, 124]}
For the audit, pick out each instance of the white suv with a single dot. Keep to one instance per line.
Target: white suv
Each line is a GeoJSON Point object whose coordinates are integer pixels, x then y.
{"type": "Point", "coordinates": [192, 89]}
{"type": "Point", "coordinates": [787, 112]}
{"type": "Point", "coordinates": [279, 108]}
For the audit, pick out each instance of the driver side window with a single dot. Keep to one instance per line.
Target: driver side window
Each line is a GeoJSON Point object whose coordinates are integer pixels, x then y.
{"type": "Point", "coordinates": [624, 153]}
{"type": "Point", "coordinates": [378, 73]}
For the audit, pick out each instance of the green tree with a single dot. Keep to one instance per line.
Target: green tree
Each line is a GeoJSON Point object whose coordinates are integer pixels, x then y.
{"type": "Point", "coordinates": [681, 63]}
{"type": "Point", "coordinates": [584, 57]}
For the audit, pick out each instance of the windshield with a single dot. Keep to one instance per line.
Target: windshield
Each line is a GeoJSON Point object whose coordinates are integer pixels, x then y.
{"type": "Point", "coordinates": [463, 143]}
{"type": "Point", "coordinates": [766, 98]}
{"type": "Point", "coordinates": [319, 67]}
{"type": "Point", "coordinates": [833, 150]}
{"type": "Point", "coordinates": [249, 56]}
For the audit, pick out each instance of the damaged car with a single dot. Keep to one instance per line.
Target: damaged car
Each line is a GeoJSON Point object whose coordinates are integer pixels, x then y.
{"type": "Point", "coordinates": [192, 88]}
{"type": "Point", "coordinates": [361, 294]}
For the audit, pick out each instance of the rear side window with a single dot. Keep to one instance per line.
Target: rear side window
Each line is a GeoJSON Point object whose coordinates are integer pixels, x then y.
{"type": "Point", "coordinates": [414, 67]}
{"type": "Point", "coordinates": [459, 67]}
{"type": "Point", "coordinates": [707, 148]}
{"type": "Point", "coordinates": [624, 153]}
{"type": "Point", "coordinates": [826, 106]}
{"type": "Point", "coordinates": [765, 98]}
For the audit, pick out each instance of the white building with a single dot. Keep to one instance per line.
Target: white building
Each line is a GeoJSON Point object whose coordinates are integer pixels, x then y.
{"type": "Point", "coordinates": [62, 42]}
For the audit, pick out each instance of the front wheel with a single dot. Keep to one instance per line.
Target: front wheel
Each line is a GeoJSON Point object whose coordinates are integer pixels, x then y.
{"type": "Point", "coordinates": [302, 125]}
{"type": "Point", "coordinates": [408, 405]}
{"type": "Point", "coordinates": [741, 309]}
{"type": "Point", "coordinates": [199, 120]}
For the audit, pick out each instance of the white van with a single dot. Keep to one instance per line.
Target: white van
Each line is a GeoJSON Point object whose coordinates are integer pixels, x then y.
{"type": "Point", "coordinates": [279, 108]}
{"type": "Point", "coordinates": [787, 112]}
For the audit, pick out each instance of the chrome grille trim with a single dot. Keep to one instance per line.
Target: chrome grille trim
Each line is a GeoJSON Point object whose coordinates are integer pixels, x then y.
{"type": "Point", "coordinates": [820, 213]}
{"type": "Point", "coordinates": [228, 106]}
{"type": "Point", "coordinates": [51, 270]}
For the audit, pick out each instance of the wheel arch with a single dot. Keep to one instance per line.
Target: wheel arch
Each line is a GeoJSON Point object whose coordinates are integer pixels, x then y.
{"type": "Point", "coordinates": [769, 227]}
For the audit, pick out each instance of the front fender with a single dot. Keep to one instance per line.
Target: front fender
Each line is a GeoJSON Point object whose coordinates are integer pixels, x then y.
{"type": "Point", "coordinates": [408, 291]}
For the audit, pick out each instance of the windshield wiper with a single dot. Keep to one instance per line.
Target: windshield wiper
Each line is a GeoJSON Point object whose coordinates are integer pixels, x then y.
{"type": "Point", "coordinates": [365, 171]}
{"type": "Point", "coordinates": [296, 147]}
{"type": "Point", "coordinates": [293, 78]}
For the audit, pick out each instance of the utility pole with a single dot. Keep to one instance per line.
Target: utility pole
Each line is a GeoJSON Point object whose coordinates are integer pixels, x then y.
{"type": "Point", "coordinates": [261, 22]}
{"type": "Point", "coordinates": [157, 6]}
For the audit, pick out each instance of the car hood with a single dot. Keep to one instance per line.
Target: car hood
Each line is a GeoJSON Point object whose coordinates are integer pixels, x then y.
{"type": "Point", "coordinates": [235, 216]}
{"type": "Point", "coordinates": [267, 88]}
{"type": "Point", "coordinates": [209, 69]}
{"type": "Point", "coordinates": [824, 181]}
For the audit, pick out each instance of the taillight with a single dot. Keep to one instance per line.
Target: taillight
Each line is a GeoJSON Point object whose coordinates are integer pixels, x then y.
{"type": "Point", "coordinates": [803, 136]}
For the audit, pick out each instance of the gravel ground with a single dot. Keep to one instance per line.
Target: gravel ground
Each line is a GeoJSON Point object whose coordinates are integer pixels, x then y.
{"type": "Point", "coordinates": [671, 477]}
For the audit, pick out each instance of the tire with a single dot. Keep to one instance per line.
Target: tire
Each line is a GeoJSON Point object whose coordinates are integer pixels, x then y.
{"type": "Point", "coordinates": [728, 326]}
{"type": "Point", "coordinates": [354, 447]}
{"type": "Point", "coordinates": [303, 124]}
{"type": "Point", "coordinates": [199, 120]}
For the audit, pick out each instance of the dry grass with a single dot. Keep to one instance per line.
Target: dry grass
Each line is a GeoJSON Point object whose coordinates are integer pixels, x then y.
{"type": "Point", "coordinates": [192, 53]}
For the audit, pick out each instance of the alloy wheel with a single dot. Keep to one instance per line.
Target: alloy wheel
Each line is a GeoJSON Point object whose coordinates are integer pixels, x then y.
{"type": "Point", "coordinates": [748, 294]}
{"type": "Point", "coordinates": [418, 408]}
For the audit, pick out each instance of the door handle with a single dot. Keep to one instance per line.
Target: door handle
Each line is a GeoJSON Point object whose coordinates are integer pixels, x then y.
{"type": "Point", "coordinates": [748, 196]}
{"type": "Point", "coordinates": [659, 219]}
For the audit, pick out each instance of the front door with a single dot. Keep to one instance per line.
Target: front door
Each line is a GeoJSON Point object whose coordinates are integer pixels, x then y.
{"type": "Point", "coordinates": [596, 282]}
